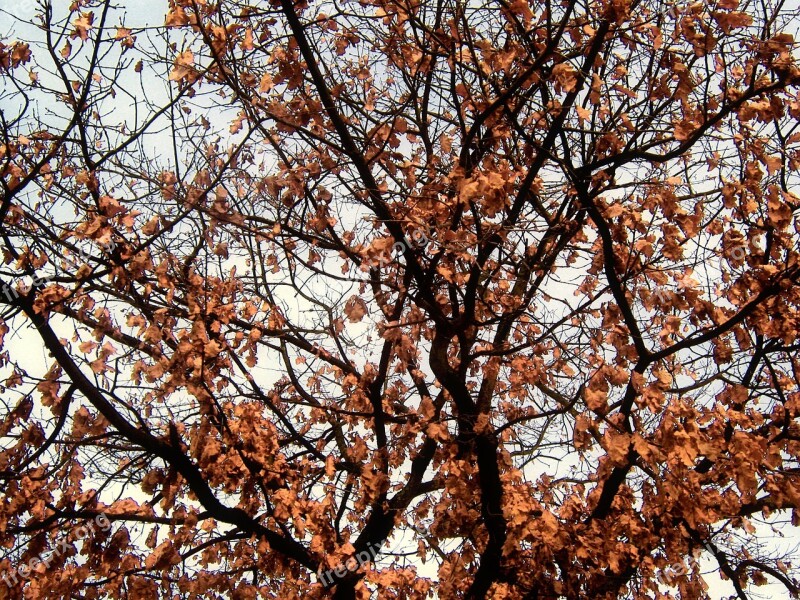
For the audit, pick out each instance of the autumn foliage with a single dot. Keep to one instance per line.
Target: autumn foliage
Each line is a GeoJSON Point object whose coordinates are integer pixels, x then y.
{"type": "Point", "coordinates": [510, 290]}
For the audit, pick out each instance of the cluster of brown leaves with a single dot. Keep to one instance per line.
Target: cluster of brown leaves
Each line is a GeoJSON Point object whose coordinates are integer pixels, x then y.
{"type": "Point", "coordinates": [584, 373]}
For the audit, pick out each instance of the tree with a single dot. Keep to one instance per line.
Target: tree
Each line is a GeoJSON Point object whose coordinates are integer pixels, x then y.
{"type": "Point", "coordinates": [507, 290]}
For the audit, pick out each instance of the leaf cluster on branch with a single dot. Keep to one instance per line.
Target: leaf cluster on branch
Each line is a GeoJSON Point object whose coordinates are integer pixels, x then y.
{"type": "Point", "coordinates": [508, 290]}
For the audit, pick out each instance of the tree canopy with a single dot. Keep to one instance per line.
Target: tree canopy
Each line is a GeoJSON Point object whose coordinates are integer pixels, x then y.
{"type": "Point", "coordinates": [508, 290]}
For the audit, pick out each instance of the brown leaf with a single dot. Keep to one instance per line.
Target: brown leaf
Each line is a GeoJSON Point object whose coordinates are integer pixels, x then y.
{"type": "Point", "coordinates": [183, 68]}
{"type": "Point", "coordinates": [355, 309]}
{"type": "Point", "coordinates": [82, 25]}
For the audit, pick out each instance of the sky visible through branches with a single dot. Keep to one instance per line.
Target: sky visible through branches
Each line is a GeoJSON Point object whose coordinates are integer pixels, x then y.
{"type": "Point", "coordinates": [508, 290]}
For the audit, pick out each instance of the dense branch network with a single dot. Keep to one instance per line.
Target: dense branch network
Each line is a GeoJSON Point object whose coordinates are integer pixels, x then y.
{"type": "Point", "coordinates": [509, 291]}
